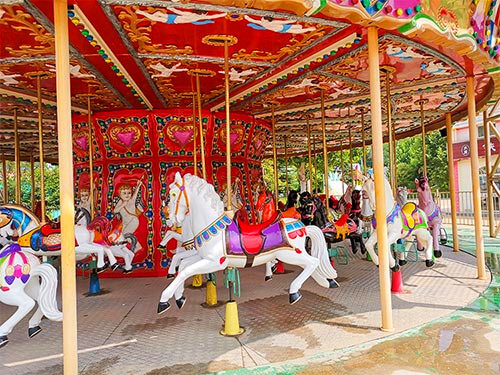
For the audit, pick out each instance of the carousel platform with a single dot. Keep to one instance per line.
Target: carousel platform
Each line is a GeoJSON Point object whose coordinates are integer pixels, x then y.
{"type": "Point", "coordinates": [120, 332]}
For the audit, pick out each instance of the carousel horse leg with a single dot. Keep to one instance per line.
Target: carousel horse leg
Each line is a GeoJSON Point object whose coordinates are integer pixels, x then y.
{"type": "Point", "coordinates": [309, 265]}
{"type": "Point", "coordinates": [269, 271]}
{"type": "Point", "coordinates": [436, 229]}
{"type": "Point", "coordinates": [201, 267]}
{"type": "Point", "coordinates": [425, 238]}
{"type": "Point", "coordinates": [112, 260]}
{"type": "Point", "coordinates": [33, 289]}
{"type": "Point", "coordinates": [354, 247]}
{"type": "Point", "coordinates": [370, 247]}
{"type": "Point", "coordinates": [179, 256]}
{"type": "Point", "coordinates": [89, 249]}
{"type": "Point", "coordinates": [14, 297]}
{"type": "Point", "coordinates": [392, 237]}
{"type": "Point", "coordinates": [179, 293]}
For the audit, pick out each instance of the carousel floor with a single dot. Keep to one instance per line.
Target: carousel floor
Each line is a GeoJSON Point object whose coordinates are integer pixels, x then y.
{"type": "Point", "coordinates": [120, 332]}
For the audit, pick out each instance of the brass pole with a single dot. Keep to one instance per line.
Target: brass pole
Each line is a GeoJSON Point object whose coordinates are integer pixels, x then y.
{"type": "Point", "coordinates": [422, 120]}
{"type": "Point", "coordinates": [315, 165]}
{"type": "Point", "coordinates": [378, 168]}
{"type": "Point", "coordinates": [489, 192]}
{"type": "Point", "coordinates": [228, 127]}
{"type": "Point", "coordinates": [4, 180]}
{"type": "Point", "coordinates": [91, 157]}
{"type": "Point", "coordinates": [309, 155]}
{"type": "Point", "coordinates": [476, 189]}
{"type": "Point", "coordinates": [17, 159]}
{"type": "Point", "coordinates": [365, 167]}
{"type": "Point", "coordinates": [200, 123]}
{"type": "Point", "coordinates": [390, 133]}
{"type": "Point", "coordinates": [325, 152]}
{"type": "Point", "coordinates": [32, 176]}
{"type": "Point", "coordinates": [350, 157]}
{"type": "Point", "coordinates": [286, 167]}
{"type": "Point", "coordinates": [65, 146]}
{"type": "Point", "coordinates": [342, 159]}
{"type": "Point", "coordinates": [40, 149]}
{"type": "Point", "coordinates": [451, 174]}
{"type": "Point", "coordinates": [195, 160]}
{"type": "Point", "coordinates": [275, 156]}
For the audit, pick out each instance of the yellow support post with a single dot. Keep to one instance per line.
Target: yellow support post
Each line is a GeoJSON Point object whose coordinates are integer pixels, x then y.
{"type": "Point", "coordinates": [17, 158]}
{"type": "Point", "coordinates": [286, 168]}
{"type": "Point", "coordinates": [378, 168]}
{"type": "Point", "coordinates": [195, 150]}
{"type": "Point", "coordinates": [489, 188]}
{"type": "Point", "coordinates": [40, 147]}
{"type": "Point", "coordinates": [200, 123]}
{"type": "Point", "coordinates": [65, 143]}
{"type": "Point", "coordinates": [325, 152]}
{"type": "Point", "coordinates": [451, 174]}
{"type": "Point", "coordinates": [309, 156]}
{"type": "Point", "coordinates": [476, 189]}
{"type": "Point", "coordinates": [91, 156]}
{"type": "Point", "coordinates": [32, 177]}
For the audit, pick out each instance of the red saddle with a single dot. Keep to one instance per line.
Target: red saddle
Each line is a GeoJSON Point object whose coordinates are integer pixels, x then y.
{"type": "Point", "coordinates": [342, 220]}
{"type": "Point", "coordinates": [47, 230]}
{"type": "Point", "coordinates": [251, 234]}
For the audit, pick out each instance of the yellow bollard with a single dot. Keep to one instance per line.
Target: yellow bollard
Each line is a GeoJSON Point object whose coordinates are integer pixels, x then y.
{"type": "Point", "coordinates": [232, 322]}
{"type": "Point", "coordinates": [197, 281]}
{"type": "Point", "coordinates": [211, 296]}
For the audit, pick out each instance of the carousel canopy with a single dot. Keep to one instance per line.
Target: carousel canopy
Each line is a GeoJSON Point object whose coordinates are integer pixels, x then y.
{"type": "Point", "coordinates": [283, 57]}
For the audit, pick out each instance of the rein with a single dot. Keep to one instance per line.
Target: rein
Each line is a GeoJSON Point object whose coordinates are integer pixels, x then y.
{"type": "Point", "coordinates": [182, 189]}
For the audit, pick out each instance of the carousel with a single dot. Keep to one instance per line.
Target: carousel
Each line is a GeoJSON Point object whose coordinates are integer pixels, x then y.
{"type": "Point", "coordinates": [160, 113]}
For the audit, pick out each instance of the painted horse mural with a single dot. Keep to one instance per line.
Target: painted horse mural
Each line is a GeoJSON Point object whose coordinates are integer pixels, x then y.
{"type": "Point", "coordinates": [222, 241]}
{"type": "Point", "coordinates": [23, 283]}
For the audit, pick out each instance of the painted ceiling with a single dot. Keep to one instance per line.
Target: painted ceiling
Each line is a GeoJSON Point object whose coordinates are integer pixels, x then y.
{"type": "Point", "coordinates": [130, 56]}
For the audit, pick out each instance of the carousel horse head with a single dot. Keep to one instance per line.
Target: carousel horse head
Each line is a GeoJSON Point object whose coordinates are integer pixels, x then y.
{"type": "Point", "coordinates": [15, 220]}
{"type": "Point", "coordinates": [178, 205]}
{"type": "Point", "coordinates": [402, 195]}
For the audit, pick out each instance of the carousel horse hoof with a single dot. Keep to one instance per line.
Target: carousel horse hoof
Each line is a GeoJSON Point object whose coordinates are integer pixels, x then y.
{"type": "Point", "coordinates": [422, 249]}
{"type": "Point", "coordinates": [395, 268]}
{"type": "Point", "coordinates": [438, 253]}
{"type": "Point", "coordinates": [429, 263]}
{"type": "Point", "coordinates": [3, 340]}
{"type": "Point", "coordinates": [170, 275]}
{"type": "Point", "coordinates": [402, 262]}
{"type": "Point", "coordinates": [354, 250]}
{"type": "Point", "coordinates": [268, 278]}
{"type": "Point", "coordinates": [363, 251]}
{"type": "Point", "coordinates": [33, 331]}
{"type": "Point", "coordinates": [102, 269]}
{"type": "Point", "coordinates": [180, 302]}
{"type": "Point", "coordinates": [333, 283]}
{"type": "Point", "coordinates": [114, 267]}
{"type": "Point", "coordinates": [162, 307]}
{"type": "Point", "coordinates": [274, 268]}
{"type": "Point", "coordinates": [295, 297]}
{"type": "Point", "coordinates": [126, 272]}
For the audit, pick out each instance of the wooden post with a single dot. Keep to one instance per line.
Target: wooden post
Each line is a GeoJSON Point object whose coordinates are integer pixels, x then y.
{"type": "Point", "coordinates": [200, 123]}
{"type": "Point", "coordinates": [91, 157]}
{"type": "Point", "coordinates": [17, 159]}
{"type": "Point", "coordinates": [275, 157]}
{"type": "Point", "coordinates": [451, 175]}
{"type": "Point", "coordinates": [489, 188]}
{"type": "Point", "coordinates": [325, 152]}
{"type": "Point", "coordinates": [309, 155]}
{"type": "Point", "coordinates": [65, 143]}
{"type": "Point", "coordinates": [40, 148]}
{"type": "Point", "coordinates": [378, 168]}
{"type": "Point", "coordinates": [476, 189]}
{"type": "Point", "coordinates": [4, 181]}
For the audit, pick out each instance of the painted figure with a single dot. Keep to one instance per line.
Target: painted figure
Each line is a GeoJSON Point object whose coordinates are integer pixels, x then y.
{"type": "Point", "coordinates": [196, 17]}
{"type": "Point", "coordinates": [278, 26]}
{"type": "Point", "coordinates": [129, 207]}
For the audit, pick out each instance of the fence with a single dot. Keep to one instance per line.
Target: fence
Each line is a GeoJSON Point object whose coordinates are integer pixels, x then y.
{"type": "Point", "coordinates": [465, 207]}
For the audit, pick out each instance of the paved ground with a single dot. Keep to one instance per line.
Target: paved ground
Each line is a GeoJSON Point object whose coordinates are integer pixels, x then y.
{"type": "Point", "coordinates": [187, 341]}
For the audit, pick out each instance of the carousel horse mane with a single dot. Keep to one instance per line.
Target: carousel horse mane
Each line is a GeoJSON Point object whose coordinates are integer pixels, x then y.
{"type": "Point", "coordinates": [102, 225]}
{"type": "Point", "coordinates": [402, 195]}
{"type": "Point", "coordinates": [17, 214]}
{"type": "Point", "coordinates": [206, 190]}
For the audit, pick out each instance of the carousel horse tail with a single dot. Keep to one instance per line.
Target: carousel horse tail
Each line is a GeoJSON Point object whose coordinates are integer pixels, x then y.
{"type": "Point", "coordinates": [319, 250]}
{"type": "Point", "coordinates": [102, 225]}
{"type": "Point", "coordinates": [47, 297]}
{"type": "Point", "coordinates": [133, 241]}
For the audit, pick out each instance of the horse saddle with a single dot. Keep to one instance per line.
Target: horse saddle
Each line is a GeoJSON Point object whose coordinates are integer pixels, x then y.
{"type": "Point", "coordinates": [247, 239]}
{"type": "Point", "coordinates": [410, 215]}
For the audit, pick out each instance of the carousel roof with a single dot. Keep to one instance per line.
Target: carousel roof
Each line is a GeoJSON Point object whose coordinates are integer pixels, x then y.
{"type": "Point", "coordinates": [283, 56]}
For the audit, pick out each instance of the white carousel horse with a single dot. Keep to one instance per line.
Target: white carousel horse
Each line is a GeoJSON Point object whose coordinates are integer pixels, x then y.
{"type": "Point", "coordinates": [431, 209]}
{"type": "Point", "coordinates": [18, 224]}
{"type": "Point", "coordinates": [223, 242]}
{"type": "Point", "coordinates": [401, 223]}
{"type": "Point", "coordinates": [23, 280]}
{"type": "Point", "coordinates": [366, 215]}
{"type": "Point", "coordinates": [117, 239]}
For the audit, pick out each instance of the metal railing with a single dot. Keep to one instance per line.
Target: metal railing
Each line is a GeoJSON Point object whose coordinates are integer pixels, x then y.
{"type": "Point", "coordinates": [465, 208]}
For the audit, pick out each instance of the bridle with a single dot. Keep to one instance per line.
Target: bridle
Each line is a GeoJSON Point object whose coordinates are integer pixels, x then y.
{"type": "Point", "coordinates": [182, 190]}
